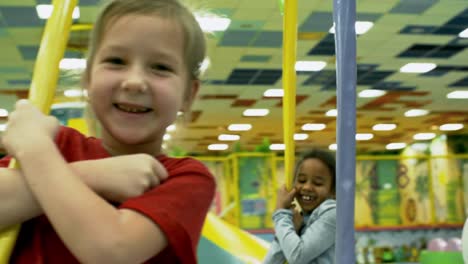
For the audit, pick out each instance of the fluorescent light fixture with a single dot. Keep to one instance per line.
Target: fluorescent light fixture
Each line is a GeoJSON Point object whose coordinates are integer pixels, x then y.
{"type": "Point", "coordinates": [205, 65]}
{"type": "Point", "coordinates": [217, 146]}
{"type": "Point", "coordinates": [45, 11]}
{"type": "Point", "coordinates": [370, 93]}
{"type": "Point", "coordinates": [3, 127]}
{"type": "Point", "coordinates": [463, 34]}
{"type": "Point", "coordinates": [277, 147]}
{"type": "Point", "coordinates": [415, 67]}
{"type": "Point", "coordinates": [332, 112]}
{"type": "Point", "coordinates": [383, 127]}
{"type": "Point", "coordinates": [171, 128]}
{"type": "Point", "coordinates": [424, 136]}
{"type": "Point", "coordinates": [73, 93]}
{"type": "Point", "coordinates": [416, 112]}
{"type": "Point", "coordinates": [227, 137]}
{"type": "Point", "coordinates": [364, 136]}
{"type": "Point", "coordinates": [274, 93]}
{"type": "Point", "coordinates": [300, 136]}
{"type": "Point", "coordinates": [3, 112]}
{"type": "Point", "coordinates": [333, 146]}
{"type": "Point", "coordinates": [313, 127]}
{"type": "Point", "coordinates": [72, 64]}
{"type": "Point", "coordinates": [361, 27]}
{"type": "Point", "coordinates": [210, 24]}
{"type": "Point", "coordinates": [392, 146]}
{"type": "Point", "coordinates": [166, 137]}
{"type": "Point", "coordinates": [451, 127]}
{"type": "Point", "coordinates": [458, 95]}
{"type": "Point", "coordinates": [310, 66]}
{"type": "Point", "coordinates": [256, 112]}
{"type": "Point", "coordinates": [239, 127]}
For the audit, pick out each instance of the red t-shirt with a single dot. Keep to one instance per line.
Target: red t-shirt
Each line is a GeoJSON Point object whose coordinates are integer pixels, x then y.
{"type": "Point", "coordinates": [178, 207]}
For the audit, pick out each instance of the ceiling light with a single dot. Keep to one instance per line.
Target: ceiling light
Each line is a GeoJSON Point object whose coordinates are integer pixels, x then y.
{"type": "Point", "coordinates": [3, 127]}
{"type": "Point", "coordinates": [364, 136]}
{"type": "Point", "coordinates": [73, 93]}
{"type": "Point", "coordinates": [333, 146]}
{"type": "Point", "coordinates": [171, 128]}
{"type": "Point", "coordinates": [72, 64]}
{"type": "Point", "coordinates": [274, 93]}
{"type": "Point", "coordinates": [369, 93]}
{"type": "Point", "coordinates": [310, 66]}
{"type": "Point", "coordinates": [331, 112]}
{"type": "Point", "coordinates": [451, 127]}
{"type": "Point", "coordinates": [218, 147]}
{"type": "Point", "coordinates": [239, 127]}
{"type": "Point", "coordinates": [383, 127]}
{"type": "Point", "coordinates": [415, 67]}
{"type": "Point", "coordinates": [3, 112]}
{"type": "Point", "coordinates": [227, 137]}
{"type": "Point", "coordinates": [45, 11]}
{"type": "Point", "coordinates": [392, 146]}
{"type": "Point", "coordinates": [210, 24]}
{"type": "Point", "coordinates": [464, 33]}
{"type": "Point", "coordinates": [458, 95]}
{"type": "Point", "coordinates": [424, 136]}
{"type": "Point", "coordinates": [205, 65]}
{"type": "Point", "coordinates": [313, 127]}
{"type": "Point", "coordinates": [256, 112]}
{"type": "Point", "coordinates": [277, 147]}
{"type": "Point", "coordinates": [166, 137]}
{"type": "Point", "coordinates": [416, 112]}
{"type": "Point", "coordinates": [361, 27]}
{"type": "Point", "coordinates": [300, 136]}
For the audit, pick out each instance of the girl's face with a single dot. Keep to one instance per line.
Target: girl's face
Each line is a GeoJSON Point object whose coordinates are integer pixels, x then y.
{"type": "Point", "coordinates": [313, 183]}
{"type": "Point", "coordinates": [138, 82]}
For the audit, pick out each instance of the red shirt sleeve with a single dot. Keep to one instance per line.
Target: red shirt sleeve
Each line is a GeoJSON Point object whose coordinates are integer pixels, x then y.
{"type": "Point", "coordinates": [5, 161]}
{"type": "Point", "coordinates": [179, 205]}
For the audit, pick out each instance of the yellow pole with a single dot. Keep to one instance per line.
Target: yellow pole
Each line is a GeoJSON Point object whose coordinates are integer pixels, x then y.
{"type": "Point", "coordinates": [289, 86]}
{"type": "Point", "coordinates": [44, 81]}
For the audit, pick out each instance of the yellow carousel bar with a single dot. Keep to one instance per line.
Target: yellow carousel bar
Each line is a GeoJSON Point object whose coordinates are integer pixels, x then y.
{"type": "Point", "coordinates": [44, 81]}
{"type": "Point", "coordinates": [289, 86]}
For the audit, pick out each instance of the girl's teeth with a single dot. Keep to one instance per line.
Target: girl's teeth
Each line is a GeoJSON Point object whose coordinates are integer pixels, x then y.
{"type": "Point", "coordinates": [307, 198]}
{"type": "Point", "coordinates": [132, 109]}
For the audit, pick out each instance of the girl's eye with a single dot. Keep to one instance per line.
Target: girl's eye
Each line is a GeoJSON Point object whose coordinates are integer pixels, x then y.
{"type": "Point", "coordinates": [161, 67]}
{"type": "Point", "coordinates": [114, 60]}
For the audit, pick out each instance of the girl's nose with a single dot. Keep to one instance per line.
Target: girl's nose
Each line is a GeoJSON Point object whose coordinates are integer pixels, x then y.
{"type": "Point", "coordinates": [135, 82]}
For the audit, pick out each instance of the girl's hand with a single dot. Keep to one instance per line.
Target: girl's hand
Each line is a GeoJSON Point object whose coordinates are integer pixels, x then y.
{"type": "Point", "coordinates": [284, 198]}
{"type": "Point", "coordinates": [28, 128]}
{"type": "Point", "coordinates": [298, 220]}
{"type": "Point", "coordinates": [119, 178]}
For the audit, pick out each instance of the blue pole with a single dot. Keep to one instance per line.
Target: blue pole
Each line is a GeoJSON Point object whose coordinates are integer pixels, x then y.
{"type": "Point", "coordinates": [344, 16]}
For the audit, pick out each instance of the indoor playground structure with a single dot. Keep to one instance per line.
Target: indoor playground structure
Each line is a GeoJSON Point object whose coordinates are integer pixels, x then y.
{"type": "Point", "coordinates": [422, 187]}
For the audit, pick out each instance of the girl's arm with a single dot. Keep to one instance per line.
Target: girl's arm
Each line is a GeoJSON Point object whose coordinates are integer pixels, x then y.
{"type": "Point", "coordinates": [94, 230]}
{"type": "Point", "coordinates": [274, 254]}
{"type": "Point", "coordinates": [317, 238]}
{"type": "Point", "coordinates": [115, 179]}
